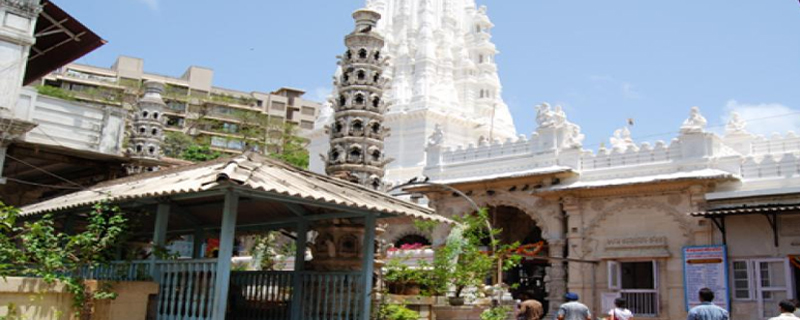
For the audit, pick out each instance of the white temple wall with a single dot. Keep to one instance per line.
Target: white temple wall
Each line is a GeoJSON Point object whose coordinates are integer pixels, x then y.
{"type": "Point", "coordinates": [622, 229]}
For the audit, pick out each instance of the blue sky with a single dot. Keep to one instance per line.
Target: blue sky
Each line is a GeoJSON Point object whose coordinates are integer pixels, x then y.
{"type": "Point", "coordinates": [604, 61]}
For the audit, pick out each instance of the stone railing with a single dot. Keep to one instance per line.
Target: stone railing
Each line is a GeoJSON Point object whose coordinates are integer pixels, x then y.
{"type": "Point", "coordinates": [485, 151]}
{"type": "Point", "coordinates": [784, 165]}
{"type": "Point", "coordinates": [776, 144]}
{"type": "Point", "coordinates": [633, 155]}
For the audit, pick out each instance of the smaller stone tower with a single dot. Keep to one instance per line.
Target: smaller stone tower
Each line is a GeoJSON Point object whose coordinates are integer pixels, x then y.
{"type": "Point", "coordinates": [147, 130]}
{"type": "Point", "coordinates": [357, 132]}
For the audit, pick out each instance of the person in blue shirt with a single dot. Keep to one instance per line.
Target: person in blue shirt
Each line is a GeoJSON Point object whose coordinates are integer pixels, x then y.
{"type": "Point", "coordinates": [707, 310]}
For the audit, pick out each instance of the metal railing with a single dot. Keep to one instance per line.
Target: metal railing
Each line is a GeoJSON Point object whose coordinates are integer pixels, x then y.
{"type": "Point", "coordinates": [643, 303]}
{"type": "Point", "coordinates": [332, 295]}
{"type": "Point", "coordinates": [260, 295]}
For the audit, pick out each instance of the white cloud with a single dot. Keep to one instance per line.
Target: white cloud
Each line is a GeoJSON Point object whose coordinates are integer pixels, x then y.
{"type": "Point", "coordinates": [765, 118]}
{"type": "Point", "coordinates": [152, 4]}
{"type": "Point", "coordinates": [606, 82]}
{"type": "Point", "coordinates": [628, 92]}
{"type": "Point", "coordinates": [320, 94]}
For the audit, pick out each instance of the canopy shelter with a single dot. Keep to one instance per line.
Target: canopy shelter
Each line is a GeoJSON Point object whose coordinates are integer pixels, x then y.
{"type": "Point", "coordinates": [770, 211]}
{"type": "Point", "coordinates": [60, 39]}
{"type": "Point", "coordinates": [246, 193]}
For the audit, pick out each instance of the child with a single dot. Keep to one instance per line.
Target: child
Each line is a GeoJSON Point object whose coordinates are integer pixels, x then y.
{"type": "Point", "coordinates": [620, 312]}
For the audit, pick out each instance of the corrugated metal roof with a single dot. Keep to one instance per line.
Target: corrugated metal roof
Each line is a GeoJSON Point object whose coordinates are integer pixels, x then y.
{"type": "Point", "coordinates": [757, 209]}
{"type": "Point", "coordinates": [249, 171]}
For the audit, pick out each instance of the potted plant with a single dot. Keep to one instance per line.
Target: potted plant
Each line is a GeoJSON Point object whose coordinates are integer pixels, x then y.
{"type": "Point", "coordinates": [461, 263]}
{"type": "Point", "coordinates": [396, 312]}
{"type": "Point", "coordinates": [403, 279]}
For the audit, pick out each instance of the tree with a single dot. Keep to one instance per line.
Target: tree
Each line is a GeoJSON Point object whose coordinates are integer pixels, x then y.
{"type": "Point", "coordinates": [463, 261]}
{"type": "Point", "coordinates": [37, 249]}
{"type": "Point", "coordinates": [200, 153]}
{"type": "Point", "coordinates": [176, 143]}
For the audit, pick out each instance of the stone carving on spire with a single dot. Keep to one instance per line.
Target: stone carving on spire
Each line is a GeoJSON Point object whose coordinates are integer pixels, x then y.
{"type": "Point", "coordinates": [437, 137]}
{"type": "Point", "coordinates": [696, 123]}
{"type": "Point", "coordinates": [736, 125]}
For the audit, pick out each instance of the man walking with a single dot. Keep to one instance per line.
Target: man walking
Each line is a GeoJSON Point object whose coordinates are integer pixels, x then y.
{"type": "Point", "coordinates": [573, 310]}
{"type": "Point", "coordinates": [707, 310]}
{"type": "Point", "coordinates": [787, 309]}
{"type": "Point", "coordinates": [529, 309]}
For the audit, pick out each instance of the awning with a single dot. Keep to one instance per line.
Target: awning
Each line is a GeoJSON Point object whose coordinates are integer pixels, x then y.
{"type": "Point", "coordinates": [60, 39]}
{"type": "Point", "coordinates": [769, 211]}
{"type": "Point", "coordinates": [749, 209]}
{"type": "Point", "coordinates": [249, 172]}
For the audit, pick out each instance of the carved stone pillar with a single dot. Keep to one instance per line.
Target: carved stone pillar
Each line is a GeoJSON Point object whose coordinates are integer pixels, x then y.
{"type": "Point", "coordinates": [556, 281]}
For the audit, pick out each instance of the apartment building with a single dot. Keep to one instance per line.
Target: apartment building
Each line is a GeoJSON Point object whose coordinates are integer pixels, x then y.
{"type": "Point", "coordinates": [196, 107]}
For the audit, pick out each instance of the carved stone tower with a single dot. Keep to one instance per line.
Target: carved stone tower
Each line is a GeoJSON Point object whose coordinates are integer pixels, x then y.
{"type": "Point", "coordinates": [357, 131]}
{"type": "Point", "coordinates": [147, 131]}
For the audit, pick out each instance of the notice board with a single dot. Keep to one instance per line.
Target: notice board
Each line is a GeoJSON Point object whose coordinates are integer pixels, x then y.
{"type": "Point", "coordinates": [706, 267]}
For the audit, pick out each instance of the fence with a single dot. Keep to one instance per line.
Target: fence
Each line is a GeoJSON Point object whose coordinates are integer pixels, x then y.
{"type": "Point", "coordinates": [260, 295]}
{"type": "Point", "coordinates": [331, 295]}
{"type": "Point", "coordinates": [643, 303]}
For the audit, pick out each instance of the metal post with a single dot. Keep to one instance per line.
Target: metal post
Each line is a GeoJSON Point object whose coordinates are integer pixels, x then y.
{"type": "Point", "coordinates": [368, 264]}
{"type": "Point", "coordinates": [3, 149]}
{"type": "Point", "coordinates": [299, 267]}
{"type": "Point", "coordinates": [159, 236]}
{"type": "Point", "coordinates": [227, 233]}
{"type": "Point", "coordinates": [197, 243]}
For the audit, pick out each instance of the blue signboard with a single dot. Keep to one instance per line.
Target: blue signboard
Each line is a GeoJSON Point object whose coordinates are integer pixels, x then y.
{"type": "Point", "coordinates": [706, 267]}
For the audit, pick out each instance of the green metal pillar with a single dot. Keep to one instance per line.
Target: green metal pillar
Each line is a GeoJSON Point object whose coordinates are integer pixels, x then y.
{"type": "Point", "coordinates": [299, 267]}
{"type": "Point", "coordinates": [368, 264]}
{"type": "Point", "coordinates": [227, 234]}
{"type": "Point", "coordinates": [159, 237]}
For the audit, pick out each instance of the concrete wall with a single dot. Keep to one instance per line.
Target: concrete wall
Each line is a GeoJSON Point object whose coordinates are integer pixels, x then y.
{"type": "Point", "coordinates": [35, 299]}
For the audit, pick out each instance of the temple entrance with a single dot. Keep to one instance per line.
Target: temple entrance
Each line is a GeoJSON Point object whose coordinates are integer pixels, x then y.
{"type": "Point", "coordinates": [529, 275]}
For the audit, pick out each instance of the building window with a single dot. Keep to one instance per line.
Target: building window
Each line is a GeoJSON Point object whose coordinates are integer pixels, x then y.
{"type": "Point", "coordinates": [176, 106]}
{"type": "Point", "coordinates": [259, 103]}
{"type": "Point", "coordinates": [306, 124]}
{"type": "Point", "coordinates": [175, 122]}
{"type": "Point", "coordinates": [278, 105]}
{"type": "Point", "coordinates": [637, 282]}
{"type": "Point", "coordinates": [230, 127]}
{"type": "Point", "coordinates": [308, 111]}
{"type": "Point", "coordinates": [742, 287]}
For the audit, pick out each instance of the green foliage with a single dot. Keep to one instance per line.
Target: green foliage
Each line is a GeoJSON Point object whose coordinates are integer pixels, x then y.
{"type": "Point", "coordinates": [399, 275]}
{"type": "Point", "coordinates": [272, 252]}
{"type": "Point", "coordinates": [199, 153]}
{"type": "Point", "coordinates": [464, 262]}
{"type": "Point", "coordinates": [496, 313]}
{"type": "Point", "coordinates": [55, 92]}
{"type": "Point", "coordinates": [176, 143]}
{"type": "Point", "coordinates": [37, 249]}
{"type": "Point", "coordinates": [425, 226]}
{"type": "Point", "coordinates": [396, 312]}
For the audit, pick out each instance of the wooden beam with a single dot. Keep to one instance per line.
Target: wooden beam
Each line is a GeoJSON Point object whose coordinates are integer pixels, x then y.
{"type": "Point", "coordinates": [297, 209]}
{"type": "Point", "coordinates": [227, 234]}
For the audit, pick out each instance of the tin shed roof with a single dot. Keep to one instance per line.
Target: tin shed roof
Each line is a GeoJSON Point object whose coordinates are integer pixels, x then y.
{"type": "Point", "coordinates": [252, 172]}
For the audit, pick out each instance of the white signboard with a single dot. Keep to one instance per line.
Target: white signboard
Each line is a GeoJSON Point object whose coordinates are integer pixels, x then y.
{"type": "Point", "coordinates": [706, 267]}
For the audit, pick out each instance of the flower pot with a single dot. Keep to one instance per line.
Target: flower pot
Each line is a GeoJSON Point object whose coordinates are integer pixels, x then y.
{"type": "Point", "coordinates": [412, 289]}
{"type": "Point", "coordinates": [456, 301]}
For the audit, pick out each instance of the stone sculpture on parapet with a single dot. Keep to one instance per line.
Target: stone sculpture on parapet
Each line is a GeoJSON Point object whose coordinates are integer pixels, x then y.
{"type": "Point", "coordinates": [696, 123]}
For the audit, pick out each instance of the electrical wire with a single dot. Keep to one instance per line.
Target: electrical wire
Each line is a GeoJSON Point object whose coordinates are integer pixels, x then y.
{"type": "Point", "coordinates": [46, 172]}
{"type": "Point", "coordinates": [42, 184]}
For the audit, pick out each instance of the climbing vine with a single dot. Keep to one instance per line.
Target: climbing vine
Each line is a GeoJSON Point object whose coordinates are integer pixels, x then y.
{"type": "Point", "coordinates": [37, 248]}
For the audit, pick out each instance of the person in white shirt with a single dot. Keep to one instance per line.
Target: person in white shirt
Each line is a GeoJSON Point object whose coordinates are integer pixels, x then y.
{"type": "Point", "coordinates": [620, 312]}
{"type": "Point", "coordinates": [787, 311]}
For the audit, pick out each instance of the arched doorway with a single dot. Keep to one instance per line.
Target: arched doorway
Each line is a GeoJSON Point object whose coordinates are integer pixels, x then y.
{"type": "Point", "coordinates": [529, 276]}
